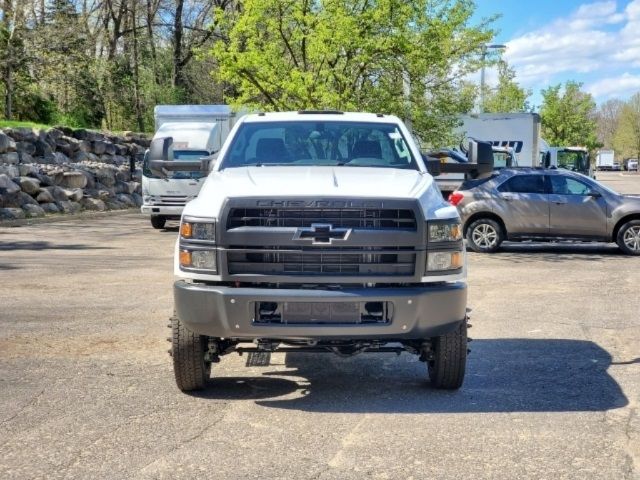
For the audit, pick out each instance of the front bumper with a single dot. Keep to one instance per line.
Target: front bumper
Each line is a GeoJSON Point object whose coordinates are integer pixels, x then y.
{"type": "Point", "coordinates": [419, 312]}
{"type": "Point", "coordinates": [163, 210]}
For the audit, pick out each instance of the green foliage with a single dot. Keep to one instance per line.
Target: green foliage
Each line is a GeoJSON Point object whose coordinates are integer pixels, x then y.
{"type": "Point", "coordinates": [627, 135]}
{"type": "Point", "coordinates": [568, 116]}
{"type": "Point", "coordinates": [508, 96]}
{"type": "Point", "coordinates": [390, 56]}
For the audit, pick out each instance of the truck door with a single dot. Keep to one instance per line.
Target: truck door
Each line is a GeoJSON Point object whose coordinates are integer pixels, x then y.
{"type": "Point", "coordinates": [523, 204]}
{"type": "Point", "coordinates": [574, 211]}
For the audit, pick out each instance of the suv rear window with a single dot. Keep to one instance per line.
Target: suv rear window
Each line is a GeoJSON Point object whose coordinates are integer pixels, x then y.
{"type": "Point", "coordinates": [524, 184]}
{"type": "Point", "coordinates": [476, 182]}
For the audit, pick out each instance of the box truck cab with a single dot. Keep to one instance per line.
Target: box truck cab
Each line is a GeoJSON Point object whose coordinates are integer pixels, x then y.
{"type": "Point", "coordinates": [575, 159]}
{"type": "Point", "coordinates": [198, 131]}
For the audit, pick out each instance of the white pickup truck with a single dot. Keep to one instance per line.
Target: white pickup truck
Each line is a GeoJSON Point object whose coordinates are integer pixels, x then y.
{"type": "Point", "coordinates": [323, 232]}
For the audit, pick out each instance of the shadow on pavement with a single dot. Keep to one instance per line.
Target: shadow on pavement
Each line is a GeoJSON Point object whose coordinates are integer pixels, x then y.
{"type": "Point", "coordinates": [556, 252]}
{"type": "Point", "coordinates": [503, 375]}
{"type": "Point", "coordinates": [41, 245]}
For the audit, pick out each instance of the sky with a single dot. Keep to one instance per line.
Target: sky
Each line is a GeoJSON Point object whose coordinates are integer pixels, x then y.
{"type": "Point", "coordinates": [552, 41]}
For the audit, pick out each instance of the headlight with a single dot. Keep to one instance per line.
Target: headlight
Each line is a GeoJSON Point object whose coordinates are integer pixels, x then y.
{"type": "Point", "coordinates": [440, 261]}
{"type": "Point", "coordinates": [199, 259]}
{"type": "Point", "coordinates": [445, 232]}
{"type": "Point", "coordinates": [198, 231]}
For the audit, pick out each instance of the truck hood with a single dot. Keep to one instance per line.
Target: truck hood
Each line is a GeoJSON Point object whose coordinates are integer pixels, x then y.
{"type": "Point", "coordinates": [315, 182]}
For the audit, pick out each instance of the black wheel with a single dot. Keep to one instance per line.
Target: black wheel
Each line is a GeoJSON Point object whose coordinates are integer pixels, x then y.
{"type": "Point", "coordinates": [485, 235]}
{"type": "Point", "coordinates": [158, 222]}
{"type": "Point", "coordinates": [629, 238]}
{"type": "Point", "coordinates": [188, 350]}
{"type": "Point", "coordinates": [449, 358]}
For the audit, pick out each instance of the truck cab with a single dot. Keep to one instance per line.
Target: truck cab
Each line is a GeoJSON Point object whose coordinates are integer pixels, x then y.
{"type": "Point", "coordinates": [575, 159]}
{"type": "Point", "coordinates": [197, 132]}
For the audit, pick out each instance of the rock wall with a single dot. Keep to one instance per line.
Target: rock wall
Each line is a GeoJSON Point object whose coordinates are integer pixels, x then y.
{"type": "Point", "coordinates": [63, 170]}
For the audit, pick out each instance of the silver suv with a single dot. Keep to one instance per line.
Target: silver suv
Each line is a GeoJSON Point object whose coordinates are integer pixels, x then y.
{"type": "Point", "coordinates": [529, 203]}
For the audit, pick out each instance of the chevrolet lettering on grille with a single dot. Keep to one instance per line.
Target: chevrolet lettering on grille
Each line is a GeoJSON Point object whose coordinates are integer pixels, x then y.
{"type": "Point", "coordinates": [322, 233]}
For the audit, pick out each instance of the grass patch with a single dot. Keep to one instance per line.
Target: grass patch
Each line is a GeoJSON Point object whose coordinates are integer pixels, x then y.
{"type": "Point", "coordinates": [18, 124]}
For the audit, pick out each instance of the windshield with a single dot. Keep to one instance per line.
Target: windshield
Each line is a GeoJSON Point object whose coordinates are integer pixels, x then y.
{"type": "Point", "coordinates": [575, 161]}
{"type": "Point", "coordinates": [501, 160]}
{"type": "Point", "coordinates": [319, 143]}
{"type": "Point", "coordinates": [178, 155]}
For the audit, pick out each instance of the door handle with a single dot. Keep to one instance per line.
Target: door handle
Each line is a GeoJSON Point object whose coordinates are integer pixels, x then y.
{"type": "Point", "coordinates": [508, 198]}
{"type": "Point", "coordinates": [559, 202]}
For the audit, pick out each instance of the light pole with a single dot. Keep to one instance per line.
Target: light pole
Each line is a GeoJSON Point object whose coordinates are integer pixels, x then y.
{"type": "Point", "coordinates": [484, 55]}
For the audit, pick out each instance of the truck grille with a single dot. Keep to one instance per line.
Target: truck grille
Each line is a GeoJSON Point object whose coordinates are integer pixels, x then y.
{"type": "Point", "coordinates": [365, 218]}
{"type": "Point", "coordinates": [335, 261]}
{"type": "Point", "coordinates": [175, 200]}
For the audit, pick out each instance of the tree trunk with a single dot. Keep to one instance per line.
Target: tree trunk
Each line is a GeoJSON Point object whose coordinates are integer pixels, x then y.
{"type": "Point", "coordinates": [178, 31]}
{"type": "Point", "coordinates": [136, 71]}
{"type": "Point", "coordinates": [8, 92]}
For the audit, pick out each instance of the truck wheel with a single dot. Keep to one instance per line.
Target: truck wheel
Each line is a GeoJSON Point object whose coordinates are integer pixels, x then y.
{"type": "Point", "coordinates": [447, 366]}
{"type": "Point", "coordinates": [188, 350]}
{"type": "Point", "coordinates": [485, 235]}
{"type": "Point", "coordinates": [158, 222]}
{"type": "Point", "coordinates": [629, 238]}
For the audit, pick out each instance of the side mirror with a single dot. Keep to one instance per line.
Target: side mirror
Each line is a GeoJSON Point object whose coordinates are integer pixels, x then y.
{"type": "Point", "coordinates": [594, 194]}
{"type": "Point", "coordinates": [161, 159]}
{"type": "Point", "coordinates": [481, 154]}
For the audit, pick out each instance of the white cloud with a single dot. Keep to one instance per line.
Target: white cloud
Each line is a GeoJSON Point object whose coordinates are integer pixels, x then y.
{"type": "Point", "coordinates": [626, 83]}
{"type": "Point", "coordinates": [596, 36]}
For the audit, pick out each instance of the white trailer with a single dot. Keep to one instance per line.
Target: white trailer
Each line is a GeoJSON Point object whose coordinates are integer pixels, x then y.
{"type": "Point", "coordinates": [605, 160]}
{"type": "Point", "coordinates": [520, 131]}
{"type": "Point", "coordinates": [198, 131]}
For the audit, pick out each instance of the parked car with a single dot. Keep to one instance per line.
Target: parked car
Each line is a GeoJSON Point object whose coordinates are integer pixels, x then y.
{"type": "Point", "coordinates": [530, 203]}
{"type": "Point", "coordinates": [632, 165]}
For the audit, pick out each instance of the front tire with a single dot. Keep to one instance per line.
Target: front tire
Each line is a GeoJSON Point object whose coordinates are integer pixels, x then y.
{"type": "Point", "coordinates": [628, 238]}
{"type": "Point", "coordinates": [449, 358]}
{"type": "Point", "coordinates": [188, 351]}
{"type": "Point", "coordinates": [158, 222]}
{"type": "Point", "coordinates": [485, 235]}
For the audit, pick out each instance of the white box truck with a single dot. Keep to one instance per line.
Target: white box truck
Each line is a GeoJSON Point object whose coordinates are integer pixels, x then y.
{"type": "Point", "coordinates": [198, 131]}
{"type": "Point", "coordinates": [605, 160]}
{"type": "Point", "coordinates": [513, 135]}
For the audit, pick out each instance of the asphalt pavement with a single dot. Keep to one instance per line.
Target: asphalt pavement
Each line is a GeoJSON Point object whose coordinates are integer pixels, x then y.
{"type": "Point", "coordinates": [87, 389]}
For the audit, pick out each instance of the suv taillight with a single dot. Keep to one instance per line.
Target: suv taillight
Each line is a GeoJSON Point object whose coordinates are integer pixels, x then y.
{"type": "Point", "coordinates": [455, 198]}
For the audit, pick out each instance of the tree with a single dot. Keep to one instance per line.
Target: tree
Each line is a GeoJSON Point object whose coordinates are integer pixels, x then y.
{"type": "Point", "coordinates": [508, 96]}
{"type": "Point", "coordinates": [568, 116]}
{"type": "Point", "coordinates": [607, 119]}
{"type": "Point", "coordinates": [627, 136]}
{"type": "Point", "coordinates": [390, 56]}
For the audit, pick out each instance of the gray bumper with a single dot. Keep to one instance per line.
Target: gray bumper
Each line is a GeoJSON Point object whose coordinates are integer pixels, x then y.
{"type": "Point", "coordinates": [419, 312]}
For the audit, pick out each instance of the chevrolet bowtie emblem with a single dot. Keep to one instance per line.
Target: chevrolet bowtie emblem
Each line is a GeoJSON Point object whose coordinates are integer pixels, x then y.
{"type": "Point", "coordinates": [322, 233]}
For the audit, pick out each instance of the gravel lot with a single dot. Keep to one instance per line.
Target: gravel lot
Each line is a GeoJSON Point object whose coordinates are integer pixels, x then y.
{"type": "Point", "coordinates": [87, 390]}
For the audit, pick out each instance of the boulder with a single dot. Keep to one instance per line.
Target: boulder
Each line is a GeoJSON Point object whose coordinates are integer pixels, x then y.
{"type": "Point", "coordinates": [60, 158]}
{"type": "Point", "coordinates": [137, 198]}
{"type": "Point", "coordinates": [26, 147]}
{"type": "Point", "coordinates": [93, 204]}
{"type": "Point", "coordinates": [50, 208]}
{"type": "Point", "coordinates": [22, 134]}
{"type": "Point", "coordinates": [45, 180]}
{"type": "Point", "coordinates": [74, 194]}
{"type": "Point", "coordinates": [85, 146]}
{"type": "Point", "coordinates": [27, 169]}
{"type": "Point", "coordinates": [106, 176]}
{"type": "Point", "coordinates": [91, 181]}
{"type": "Point", "coordinates": [134, 187]}
{"type": "Point", "coordinates": [68, 206]}
{"type": "Point", "coordinates": [29, 185]}
{"type": "Point", "coordinates": [122, 187]}
{"type": "Point", "coordinates": [114, 204]}
{"type": "Point", "coordinates": [11, 200]}
{"type": "Point", "coordinates": [99, 147]}
{"type": "Point", "coordinates": [33, 210]}
{"type": "Point", "coordinates": [57, 193]}
{"type": "Point", "coordinates": [109, 148]}
{"type": "Point", "coordinates": [45, 197]}
{"type": "Point", "coordinates": [55, 134]}
{"type": "Point", "coordinates": [81, 156]}
{"type": "Point", "coordinates": [4, 143]}
{"type": "Point", "coordinates": [73, 180]}
{"type": "Point", "coordinates": [26, 158]}
{"type": "Point", "coordinates": [7, 185]}
{"type": "Point", "coordinates": [126, 200]}
{"type": "Point", "coordinates": [11, 213]}
{"type": "Point", "coordinates": [10, 171]}
{"type": "Point", "coordinates": [11, 158]}
{"type": "Point", "coordinates": [26, 199]}
{"type": "Point", "coordinates": [43, 149]}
